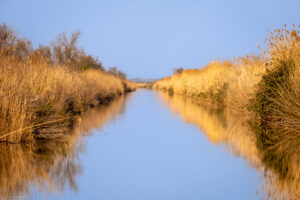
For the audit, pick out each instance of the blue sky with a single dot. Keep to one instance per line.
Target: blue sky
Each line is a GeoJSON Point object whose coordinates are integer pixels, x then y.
{"type": "Point", "coordinates": [148, 38]}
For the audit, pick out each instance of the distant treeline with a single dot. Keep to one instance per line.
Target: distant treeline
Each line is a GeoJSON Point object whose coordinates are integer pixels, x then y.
{"type": "Point", "coordinates": [141, 80]}
{"type": "Point", "coordinates": [64, 50]}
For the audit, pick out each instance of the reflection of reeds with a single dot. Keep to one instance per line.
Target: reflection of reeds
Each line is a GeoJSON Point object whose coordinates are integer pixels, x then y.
{"type": "Point", "coordinates": [97, 117]}
{"type": "Point", "coordinates": [50, 165]}
{"type": "Point", "coordinates": [219, 125]}
{"type": "Point", "coordinates": [222, 127]}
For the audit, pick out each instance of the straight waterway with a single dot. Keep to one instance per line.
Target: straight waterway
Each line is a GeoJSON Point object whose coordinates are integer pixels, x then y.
{"type": "Point", "coordinates": [146, 145]}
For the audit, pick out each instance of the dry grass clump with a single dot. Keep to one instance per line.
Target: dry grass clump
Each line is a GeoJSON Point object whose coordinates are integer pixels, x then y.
{"type": "Point", "coordinates": [276, 100]}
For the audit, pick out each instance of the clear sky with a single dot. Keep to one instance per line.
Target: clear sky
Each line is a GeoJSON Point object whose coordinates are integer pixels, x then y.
{"type": "Point", "coordinates": [148, 38]}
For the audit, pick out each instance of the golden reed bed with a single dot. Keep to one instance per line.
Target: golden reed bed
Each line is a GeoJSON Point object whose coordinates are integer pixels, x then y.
{"type": "Point", "coordinates": [35, 92]}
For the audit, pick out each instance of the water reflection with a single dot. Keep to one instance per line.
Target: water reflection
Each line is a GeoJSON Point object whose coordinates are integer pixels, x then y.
{"type": "Point", "coordinates": [279, 170]}
{"type": "Point", "coordinates": [152, 155]}
{"type": "Point", "coordinates": [51, 166]}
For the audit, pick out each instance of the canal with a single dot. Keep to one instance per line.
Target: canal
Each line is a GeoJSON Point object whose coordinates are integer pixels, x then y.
{"type": "Point", "coordinates": [146, 145]}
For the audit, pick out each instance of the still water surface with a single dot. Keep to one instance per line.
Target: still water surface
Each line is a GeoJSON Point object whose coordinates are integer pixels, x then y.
{"type": "Point", "coordinates": [147, 145]}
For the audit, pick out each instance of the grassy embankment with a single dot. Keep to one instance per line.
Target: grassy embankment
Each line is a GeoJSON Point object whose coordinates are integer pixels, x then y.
{"type": "Point", "coordinates": [45, 87]}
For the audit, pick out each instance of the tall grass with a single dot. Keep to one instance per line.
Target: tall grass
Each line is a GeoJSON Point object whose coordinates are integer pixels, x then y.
{"type": "Point", "coordinates": [36, 92]}
{"type": "Point", "coordinates": [227, 83]}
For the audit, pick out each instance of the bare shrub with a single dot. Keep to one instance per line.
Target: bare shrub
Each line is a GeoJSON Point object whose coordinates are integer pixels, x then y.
{"type": "Point", "coordinates": [178, 70]}
{"type": "Point", "coordinates": [66, 50]}
{"type": "Point", "coordinates": [11, 45]}
{"type": "Point", "coordinates": [115, 71]}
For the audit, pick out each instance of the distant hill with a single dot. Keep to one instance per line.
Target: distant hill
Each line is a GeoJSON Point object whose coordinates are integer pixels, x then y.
{"type": "Point", "coordinates": [140, 80]}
